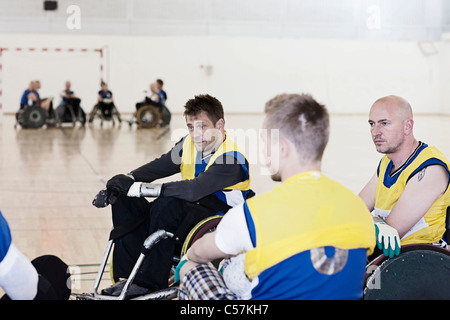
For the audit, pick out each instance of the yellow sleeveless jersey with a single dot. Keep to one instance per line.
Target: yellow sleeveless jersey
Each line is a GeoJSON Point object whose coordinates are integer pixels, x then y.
{"type": "Point", "coordinates": [191, 163]}
{"type": "Point", "coordinates": [306, 211]}
{"type": "Point", "coordinates": [391, 185]}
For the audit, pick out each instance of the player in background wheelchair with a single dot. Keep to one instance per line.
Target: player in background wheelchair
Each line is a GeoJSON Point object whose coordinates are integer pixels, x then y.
{"type": "Point", "coordinates": [105, 109]}
{"type": "Point", "coordinates": [35, 111]}
{"type": "Point", "coordinates": [152, 111]}
{"type": "Point", "coordinates": [69, 110]}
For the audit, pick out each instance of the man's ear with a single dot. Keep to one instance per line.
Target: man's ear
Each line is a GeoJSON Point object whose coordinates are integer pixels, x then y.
{"type": "Point", "coordinates": [284, 147]}
{"type": "Point", "coordinates": [220, 124]}
{"type": "Point", "coordinates": [409, 124]}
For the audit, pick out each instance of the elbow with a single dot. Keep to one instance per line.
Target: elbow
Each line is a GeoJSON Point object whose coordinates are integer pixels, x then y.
{"type": "Point", "coordinates": [196, 253]}
{"type": "Point", "coordinates": [201, 251]}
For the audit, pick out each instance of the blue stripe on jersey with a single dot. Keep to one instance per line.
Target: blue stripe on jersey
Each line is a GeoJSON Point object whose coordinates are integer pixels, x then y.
{"type": "Point", "coordinates": [429, 162]}
{"type": "Point", "coordinates": [5, 237]}
{"type": "Point", "coordinates": [296, 279]}
{"type": "Point", "coordinates": [250, 224]}
{"type": "Point", "coordinates": [200, 164]}
{"type": "Point", "coordinates": [389, 180]}
{"type": "Point", "coordinates": [219, 194]}
{"type": "Point", "coordinates": [242, 161]}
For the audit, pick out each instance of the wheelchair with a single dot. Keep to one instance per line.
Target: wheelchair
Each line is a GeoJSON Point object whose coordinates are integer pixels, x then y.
{"type": "Point", "coordinates": [206, 225]}
{"type": "Point", "coordinates": [70, 111]}
{"type": "Point", "coordinates": [420, 272]}
{"type": "Point", "coordinates": [150, 114]}
{"type": "Point", "coordinates": [35, 117]}
{"type": "Point", "coordinates": [105, 111]}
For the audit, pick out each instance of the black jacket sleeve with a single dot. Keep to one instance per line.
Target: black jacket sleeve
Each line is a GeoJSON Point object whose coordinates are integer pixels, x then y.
{"type": "Point", "coordinates": [166, 165]}
{"type": "Point", "coordinates": [223, 173]}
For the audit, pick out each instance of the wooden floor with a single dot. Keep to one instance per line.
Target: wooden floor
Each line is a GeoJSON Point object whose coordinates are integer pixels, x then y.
{"type": "Point", "coordinates": [48, 177]}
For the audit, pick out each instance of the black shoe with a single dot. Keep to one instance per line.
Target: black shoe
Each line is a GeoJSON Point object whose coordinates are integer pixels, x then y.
{"type": "Point", "coordinates": [133, 291]}
{"type": "Point", "coordinates": [115, 289]}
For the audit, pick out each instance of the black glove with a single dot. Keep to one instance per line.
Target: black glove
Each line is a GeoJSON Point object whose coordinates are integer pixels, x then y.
{"type": "Point", "coordinates": [120, 184]}
{"type": "Point", "coordinates": [103, 198]}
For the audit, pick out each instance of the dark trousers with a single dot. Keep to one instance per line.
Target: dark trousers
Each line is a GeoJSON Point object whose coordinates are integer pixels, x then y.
{"type": "Point", "coordinates": [165, 213]}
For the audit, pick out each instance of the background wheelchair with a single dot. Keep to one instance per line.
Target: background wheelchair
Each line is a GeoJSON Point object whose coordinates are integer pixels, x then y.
{"type": "Point", "coordinates": [150, 114]}
{"type": "Point", "coordinates": [35, 117]}
{"type": "Point", "coordinates": [105, 110]}
{"type": "Point", "coordinates": [207, 225]}
{"type": "Point", "coordinates": [70, 111]}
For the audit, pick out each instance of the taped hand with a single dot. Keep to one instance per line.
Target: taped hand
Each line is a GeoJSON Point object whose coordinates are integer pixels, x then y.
{"type": "Point", "coordinates": [183, 260]}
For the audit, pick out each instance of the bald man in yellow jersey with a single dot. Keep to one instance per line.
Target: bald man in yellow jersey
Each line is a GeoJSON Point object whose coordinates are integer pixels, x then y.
{"type": "Point", "coordinates": [408, 195]}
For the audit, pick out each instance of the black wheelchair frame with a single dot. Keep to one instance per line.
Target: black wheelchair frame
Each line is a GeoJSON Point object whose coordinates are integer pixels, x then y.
{"type": "Point", "coordinates": [100, 113]}
{"type": "Point", "coordinates": [73, 113]}
{"type": "Point", "coordinates": [203, 227]}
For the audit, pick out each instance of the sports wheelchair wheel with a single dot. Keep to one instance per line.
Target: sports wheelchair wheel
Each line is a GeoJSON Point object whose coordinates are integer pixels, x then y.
{"type": "Point", "coordinates": [205, 226]}
{"type": "Point", "coordinates": [32, 117]}
{"type": "Point", "coordinates": [420, 272]}
{"type": "Point", "coordinates": [148, 116]}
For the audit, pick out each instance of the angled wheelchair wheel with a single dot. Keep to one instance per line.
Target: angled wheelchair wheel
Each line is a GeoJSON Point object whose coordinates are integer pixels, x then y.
{"type": "Point", "coordinates": [205, 226]}
{"type": "Point", "coordinates": [148, 116]}
{"type": "Point", "coordinates": [32, 117]}
{"type": "Point", "coordinates": [420, 272]}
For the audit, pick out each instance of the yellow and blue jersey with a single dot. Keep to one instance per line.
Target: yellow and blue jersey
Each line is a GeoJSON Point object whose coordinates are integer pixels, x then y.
{"type": "Point", "coordinates": [390, 187]}
{"type": "Point", "coordinates": [311, 238]}
{"type": "Point", "coordinates": [192, 164]}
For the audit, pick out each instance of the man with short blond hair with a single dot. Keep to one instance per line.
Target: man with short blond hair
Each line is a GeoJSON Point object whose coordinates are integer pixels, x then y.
{"type": "Point", "coordinates": [308, 238]}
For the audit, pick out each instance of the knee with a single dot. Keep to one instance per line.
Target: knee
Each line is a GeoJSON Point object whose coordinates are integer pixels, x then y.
{"type": "Point", "coordinates": [167, 209]}
{"type": "Point", "coordinates": [168, 202]}
{"type": "Point", "coordinates": [125, 208]}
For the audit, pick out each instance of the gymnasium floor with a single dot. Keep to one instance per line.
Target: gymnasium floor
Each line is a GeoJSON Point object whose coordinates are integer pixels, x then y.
{"type": "Point", "coordinates": [48, 177]}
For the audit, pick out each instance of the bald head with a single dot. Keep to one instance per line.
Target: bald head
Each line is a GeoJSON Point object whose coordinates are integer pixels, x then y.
{"type": "Point", "coordinates": [396, 106]}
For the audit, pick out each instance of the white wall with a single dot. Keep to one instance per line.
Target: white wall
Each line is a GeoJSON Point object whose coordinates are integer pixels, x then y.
{"type": "Point", "coordinates": [346, 75]}
{"type": "Point", "coordinates": [445, 73]}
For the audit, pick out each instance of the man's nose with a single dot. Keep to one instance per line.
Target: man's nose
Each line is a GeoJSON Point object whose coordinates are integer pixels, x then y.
{"type": "Point", "coordinates": [197, 132]}
{"type": "Point", "coordinates": [375, 130]}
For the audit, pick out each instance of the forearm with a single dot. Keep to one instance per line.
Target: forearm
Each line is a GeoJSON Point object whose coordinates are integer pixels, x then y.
{"type": "Point", "coordinates": [166, 165]}
{"type": "Point", "coordinates": [217, 177]}
{"type": "Point", "coordinates": [368, 193]}
{"type": "Point", "coordinates": [205, 250]}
